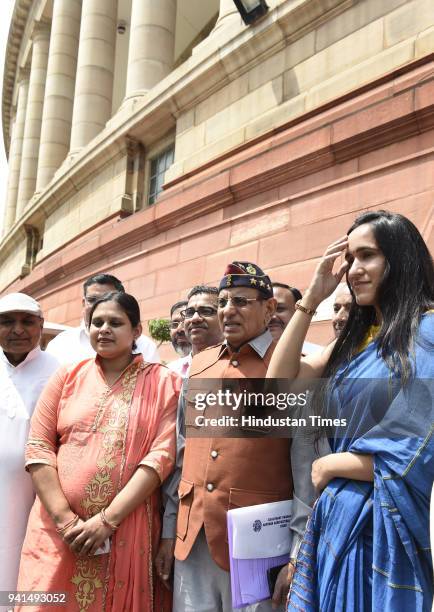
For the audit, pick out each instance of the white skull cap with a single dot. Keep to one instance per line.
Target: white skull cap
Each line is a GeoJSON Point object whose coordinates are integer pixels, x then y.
{"type": "Point", "coordinates": [20, 302]}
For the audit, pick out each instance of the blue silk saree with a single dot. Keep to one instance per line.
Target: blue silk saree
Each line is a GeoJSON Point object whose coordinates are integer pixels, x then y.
{"type": "Point", "coordinates": [366, 546]}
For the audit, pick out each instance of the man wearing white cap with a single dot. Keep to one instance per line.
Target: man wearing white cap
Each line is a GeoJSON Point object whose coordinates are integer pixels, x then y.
{"type": "Point", "coordinates": [24, 370]}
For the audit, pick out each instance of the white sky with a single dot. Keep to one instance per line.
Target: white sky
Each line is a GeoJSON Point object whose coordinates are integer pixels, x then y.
{"type": "Point", "coordinates": [5, 20]}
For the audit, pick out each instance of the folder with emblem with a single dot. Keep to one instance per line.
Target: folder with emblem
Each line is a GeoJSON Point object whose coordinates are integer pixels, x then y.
{"type": "Point", "coordinates": [259, 538]}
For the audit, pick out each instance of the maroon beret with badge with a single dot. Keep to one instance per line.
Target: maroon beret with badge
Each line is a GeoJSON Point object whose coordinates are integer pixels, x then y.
{"type": "Point", "coordinates": [246, 274]}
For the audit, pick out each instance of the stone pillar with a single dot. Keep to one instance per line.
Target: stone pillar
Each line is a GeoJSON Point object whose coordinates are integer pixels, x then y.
{"type": "Point", "coordinates": [151, 45]}
{"type": "Point", "coordinates": [15, 151]}
{"type": "Point", "coordinates": [10, 205]}
{"type": "Point", "coordinates": [59, 89]}
{"type": "Point", "coordinates": [228, 14]}
{"type": "Point", "coordinates": [95, 68]}
{"type": "Point", "coordinates": [32, 128]}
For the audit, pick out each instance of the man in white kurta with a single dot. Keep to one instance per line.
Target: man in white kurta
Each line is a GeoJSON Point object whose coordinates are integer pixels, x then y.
{"type": "Point", "coordinates": [73, 345]}
{"type": "Point", "coordinates": [24, 370]}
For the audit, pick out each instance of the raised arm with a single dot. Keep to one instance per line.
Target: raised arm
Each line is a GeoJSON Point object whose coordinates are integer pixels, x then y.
{"type": "Point", "coordinates": [286, 361]}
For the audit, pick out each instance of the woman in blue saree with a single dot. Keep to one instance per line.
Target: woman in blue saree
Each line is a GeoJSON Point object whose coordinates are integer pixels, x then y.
{"type": "Point", "coordinates": [366, 545]}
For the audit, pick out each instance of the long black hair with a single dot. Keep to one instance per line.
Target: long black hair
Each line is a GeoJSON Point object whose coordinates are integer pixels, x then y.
{"type": "Point", "coordinates": [406, 292]}
{"type": "Point", "coordinates": [126, 302]}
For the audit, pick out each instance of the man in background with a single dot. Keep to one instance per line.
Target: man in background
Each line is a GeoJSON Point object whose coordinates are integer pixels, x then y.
{"type": "Point", "coordinates": [73, 345]}
{"type": "Point", "coordinates": [202, 329]}
{"type": "Point", "coordinates": [341, 308]}
{"type": "Point", "coordinates": [179, 340]}
{"type": "Point", "coordinates": [200, 318]}
{"type": "Point", "coordinates": [286, 297]}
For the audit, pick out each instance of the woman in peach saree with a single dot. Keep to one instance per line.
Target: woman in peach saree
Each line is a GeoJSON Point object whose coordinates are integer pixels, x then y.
{"type": "Point", "coordinates": [102, 440]}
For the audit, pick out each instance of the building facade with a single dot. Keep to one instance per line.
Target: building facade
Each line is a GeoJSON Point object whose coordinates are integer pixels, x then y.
{"type": "Point", "coordinates": [160, 140]}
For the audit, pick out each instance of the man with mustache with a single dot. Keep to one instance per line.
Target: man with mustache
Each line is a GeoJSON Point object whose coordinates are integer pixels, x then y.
{"type": "Point", "coordinates": [202, 330]}
{"type": "Point", "coordinates": [287, 297]}
{"type": "Point", "coordinates": [220, 473]}
{"type": "Point", "coordinates": [179, 340]}
{"type": "Point", "coordinates": [200, 318]}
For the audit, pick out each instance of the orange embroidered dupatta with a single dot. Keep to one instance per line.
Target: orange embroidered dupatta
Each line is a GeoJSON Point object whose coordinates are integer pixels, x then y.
{"type": "Point", "coordinates": [96, 436]}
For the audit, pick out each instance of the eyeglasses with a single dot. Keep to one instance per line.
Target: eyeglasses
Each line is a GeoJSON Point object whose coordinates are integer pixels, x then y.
{"type": "Point", "coordinates": [175, 324]}
{"type": "Point", "coordinates": [238, 301]}
{"type": "Point", "coordinates": [202, 311]}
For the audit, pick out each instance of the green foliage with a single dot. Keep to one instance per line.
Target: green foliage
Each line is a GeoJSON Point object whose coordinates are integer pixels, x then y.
{"type": "Point", "coordinates": [159, 330]}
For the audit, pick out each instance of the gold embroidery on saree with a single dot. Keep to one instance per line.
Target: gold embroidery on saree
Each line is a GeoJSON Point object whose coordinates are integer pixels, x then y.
{"type": "Point", "coordinates": [101, 488]}
{"type": "Point", "coordinates": [87, 581]}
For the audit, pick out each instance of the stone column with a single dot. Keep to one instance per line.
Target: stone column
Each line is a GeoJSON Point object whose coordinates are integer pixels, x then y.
{"type": "Point", "coordinates": [151, 45]}
{"type": "Point", "coordinates": [95, 68]}
{"type": "Point", "coordinates": [32, 128]}
{"type": "Point", "coordinates": [15, 151]}
{"type": "Point", "coordinates": [10, 205]}
{"type": "Point", "coordinates": [59, 89]}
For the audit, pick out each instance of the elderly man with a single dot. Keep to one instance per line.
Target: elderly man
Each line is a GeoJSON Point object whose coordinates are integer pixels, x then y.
{"type": "Point", "coordinates": [203, 330]}
{"type": "Point", "coordinates": [219, 473]}
{"type": "Point", "coordinates": [341, 308]}
{"type": "Point", "coordinates": [179, 340]}
{"type": "Point", "coordinates": [74, 344]}
{"type": "Point", "coordinates": [24, 370]}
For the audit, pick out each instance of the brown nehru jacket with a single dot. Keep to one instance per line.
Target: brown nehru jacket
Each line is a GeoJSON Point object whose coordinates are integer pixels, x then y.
{"type": "Point", "coordinates": [223, 473]}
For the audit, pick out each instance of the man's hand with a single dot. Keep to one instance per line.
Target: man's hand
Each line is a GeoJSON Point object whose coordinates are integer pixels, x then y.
{"type": "Point", "coordinates": [164, 560]}
{"type": "Point", "coordinates": [283, 583]}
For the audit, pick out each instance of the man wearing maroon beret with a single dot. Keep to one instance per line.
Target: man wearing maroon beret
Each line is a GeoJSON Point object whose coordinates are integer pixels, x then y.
{"type": "Point", "coordinates": [223, 473]}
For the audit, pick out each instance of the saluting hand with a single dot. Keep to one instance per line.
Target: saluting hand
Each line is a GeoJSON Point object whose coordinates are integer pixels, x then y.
{"type": "Point", "coordinates": [324, 280]}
